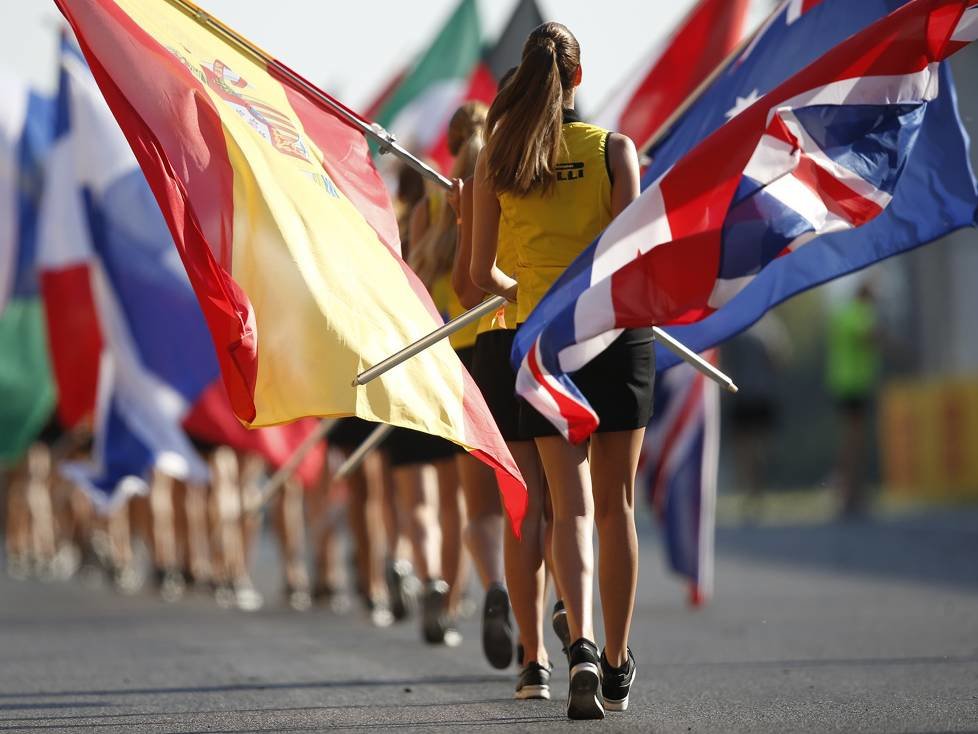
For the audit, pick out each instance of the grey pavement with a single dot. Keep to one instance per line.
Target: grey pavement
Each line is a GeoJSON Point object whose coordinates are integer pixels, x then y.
{"type": "Point", "coordinates": [823, 628]}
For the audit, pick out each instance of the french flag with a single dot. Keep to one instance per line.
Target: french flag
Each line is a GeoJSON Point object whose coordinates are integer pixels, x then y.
{"type": "Point", "coordinates": [820, 153]}
{"type": "Point", "coordinates": [678, 467]}
{"type": "Point", "coordinates": [103, 238]}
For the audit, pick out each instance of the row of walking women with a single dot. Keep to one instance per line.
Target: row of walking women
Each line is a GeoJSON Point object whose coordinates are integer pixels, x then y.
{"type": "Point", "coordinates": [534, 185]}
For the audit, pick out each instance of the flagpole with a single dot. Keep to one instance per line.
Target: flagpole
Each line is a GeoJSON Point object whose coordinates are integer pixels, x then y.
{"type": "Point", "coordinates": [693, 359]}
{"type": "Point", "coordinates": [459, 322]}
{"type": "Point", "coordinates": [280, 477]}
{"type": "Point", "coordinates": [387, 142]}
{"type": "Point", "coordinates": [666, 126]}
{"type": "Point", "coordinates": [354, 460]}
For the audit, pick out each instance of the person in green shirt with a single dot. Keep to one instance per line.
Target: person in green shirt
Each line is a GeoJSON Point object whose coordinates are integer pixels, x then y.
{"type": "Point", "coordinates": [852, 373]}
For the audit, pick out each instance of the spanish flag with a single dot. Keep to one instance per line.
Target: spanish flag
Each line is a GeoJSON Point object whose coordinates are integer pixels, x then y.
{"type": "Point", "coordinates": [285, 229]}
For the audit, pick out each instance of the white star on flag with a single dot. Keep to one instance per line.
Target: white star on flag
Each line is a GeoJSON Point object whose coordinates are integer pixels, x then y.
{"type": "Point", "coordinates": [742, 104]}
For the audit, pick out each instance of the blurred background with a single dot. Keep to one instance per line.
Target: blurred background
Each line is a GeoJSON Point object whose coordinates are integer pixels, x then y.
{"type": "Point", "coordinates": [922, 428]}
{"type": "Point", "coordinates": [852, 447]}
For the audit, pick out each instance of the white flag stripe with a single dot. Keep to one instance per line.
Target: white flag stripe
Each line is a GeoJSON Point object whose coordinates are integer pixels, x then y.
{"type": "Point", "coordinates": [642, 226]}
{"type": "Point", "coordinates": [921, 86]}
{"type": "Point", "coordinates": [13, 111]}
{"type": "Point", "coordinates": [852, 180]}
{"type": "Point", "coordinates": [967, 28]}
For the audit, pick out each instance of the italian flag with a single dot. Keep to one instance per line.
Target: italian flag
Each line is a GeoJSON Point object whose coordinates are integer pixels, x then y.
{"type": "Point", "coordinates": [417, 104]}
{"type": "Point", "coordinates": [419, 110]}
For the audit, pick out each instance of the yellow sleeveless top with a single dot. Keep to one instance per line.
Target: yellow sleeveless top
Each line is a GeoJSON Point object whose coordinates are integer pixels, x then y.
{"type": "Point", "coordinates": [505, 317]}
{"type": "Point", "coordinates": [448, 305]}
{"type": "Point", "coordinates": [550, 229]}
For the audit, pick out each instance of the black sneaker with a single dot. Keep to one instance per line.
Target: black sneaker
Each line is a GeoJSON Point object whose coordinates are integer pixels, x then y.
{"type": "Point", "coordinates": [399, 577]}
{"type": "Point", "coordinates": [616, 682]}
{"type": "Point", "coordinates": [584, 693]}
{"type": "Point", "coordinates": [434, 612]}
{"type": "Point", "coordinates": [560, 625]}
{"type": "Point", "coordinates": [497, 631]}
{"type": "Point", "coordinates": [533, 683]}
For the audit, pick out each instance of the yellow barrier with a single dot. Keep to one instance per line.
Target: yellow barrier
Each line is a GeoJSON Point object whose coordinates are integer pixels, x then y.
{"type": "Point", "coordinates": [929, 439]}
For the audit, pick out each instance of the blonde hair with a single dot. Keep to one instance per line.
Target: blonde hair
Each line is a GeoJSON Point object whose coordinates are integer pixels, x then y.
{"type": "Point", "coordinates": [434, 253]}
{"type": "Point", "coordinates": [468, 119]}
{"type": "Point", "coordinates": [524, 122]}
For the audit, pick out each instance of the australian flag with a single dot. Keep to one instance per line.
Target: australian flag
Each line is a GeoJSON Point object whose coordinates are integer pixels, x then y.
{"type": "Point", "coordinates": [823, 152]}
{"type": "Point", "coordinates": [922, 206]}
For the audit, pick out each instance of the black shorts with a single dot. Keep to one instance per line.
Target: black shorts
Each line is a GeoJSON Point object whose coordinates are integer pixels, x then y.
{"type": "Point", "coordinates": [348, 433]}
{"type": "Point", "coordinates": [854, 405]}
{"type": "Point", "coordinates": [754, 414]}
{"type": "Point", "coordinates": [465, 355]}
{"type": "Point", "coordinates": [617, 383]}
{"type": "Point", "coordinates": [406, 447]}
{"type": "Point", "coordinates": [497, 380]}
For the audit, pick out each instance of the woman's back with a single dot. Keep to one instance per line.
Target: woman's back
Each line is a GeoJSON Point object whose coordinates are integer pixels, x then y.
{"type": "Point", "coordinates": [550, 228]}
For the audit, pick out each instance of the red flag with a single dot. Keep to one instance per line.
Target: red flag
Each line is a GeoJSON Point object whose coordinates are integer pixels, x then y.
{"type": "Point", "coordinates": [702, 41]}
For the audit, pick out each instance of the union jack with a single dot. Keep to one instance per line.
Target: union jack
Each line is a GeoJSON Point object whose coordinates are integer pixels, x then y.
{"type": "Point", "coordinates": [821, 152]}
{"type": "Point", "coordinates": [678, 466]}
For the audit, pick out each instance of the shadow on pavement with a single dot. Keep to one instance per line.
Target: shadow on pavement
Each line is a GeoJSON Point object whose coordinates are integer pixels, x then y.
{"type": "Point", "coordinates": [238, 687]}
{"type": "Point", "coordinates": [934, 547]}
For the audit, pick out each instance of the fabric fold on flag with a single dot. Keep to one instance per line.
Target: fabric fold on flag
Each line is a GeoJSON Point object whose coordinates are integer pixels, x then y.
{"type": "Point", "coordinates": [285, 229]}
{"type": "Point", "coordinates": [821, 152]}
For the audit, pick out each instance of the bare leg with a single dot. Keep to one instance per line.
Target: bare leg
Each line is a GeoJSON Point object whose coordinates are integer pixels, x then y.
{"type": "Point", "coordinates": [293, 540]}
{"type": "Point", "coordinates": [484, 530]}
{"type": "Point", "coordinates": [614, 461]}
{"type": "Point", "coordinates": [39, 503]}
{"type": "Point", "coordinates": [248, 486]}
{"type": "Point", "coordinates": [414, 506]}
{"type": "Point", "coordinates": [451, 516]}
{"type": "Point", "coordinates": [525, 571]}
{"type": "Point", "coordinates": [198, 545]}
{"type": "Point", "coordinates": [161, 512]}
{"type": "Point", "coordinates": [18, 532]}
{"type": "Point", "coordinates": [568, 475]}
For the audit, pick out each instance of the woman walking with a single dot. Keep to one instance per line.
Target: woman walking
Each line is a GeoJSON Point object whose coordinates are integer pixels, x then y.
{"type": "Point", "coordinates": [550, 184]}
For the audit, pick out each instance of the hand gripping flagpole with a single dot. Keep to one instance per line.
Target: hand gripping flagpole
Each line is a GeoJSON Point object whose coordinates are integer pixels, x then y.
{"type": "Point", "coordinates": [387, 142]}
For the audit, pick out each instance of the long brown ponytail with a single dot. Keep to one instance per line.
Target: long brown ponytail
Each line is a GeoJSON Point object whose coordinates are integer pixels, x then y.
{"type": "Point", "coordinates": [524, 122]}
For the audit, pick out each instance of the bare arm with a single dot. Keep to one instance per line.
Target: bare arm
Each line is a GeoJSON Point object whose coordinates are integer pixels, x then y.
{"type": "Point", "coordinates": [417, 225]}
{"type": "Point", "coordinates": [469, 294]}
{"type": "Point", "coordinates": [624, 172]}
{"type": "Point", "coordinates": [485, 234]}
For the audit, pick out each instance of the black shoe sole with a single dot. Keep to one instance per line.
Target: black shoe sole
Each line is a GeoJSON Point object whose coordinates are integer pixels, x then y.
{"type": "Point", "coordinates": [584, 697]}
{"type": "Point", "coordinates": [533, 693]}
{"type": "Point", "coordinates": [398, 595]}
{"type": "Point", "coordinates": [497, 633]}
{"type": "Point", "coordinates": [433, 625]}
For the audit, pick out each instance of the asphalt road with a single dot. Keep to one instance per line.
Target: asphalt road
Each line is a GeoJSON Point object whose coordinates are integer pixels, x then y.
{"type": "Point", "coordinates": [862, 627]}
